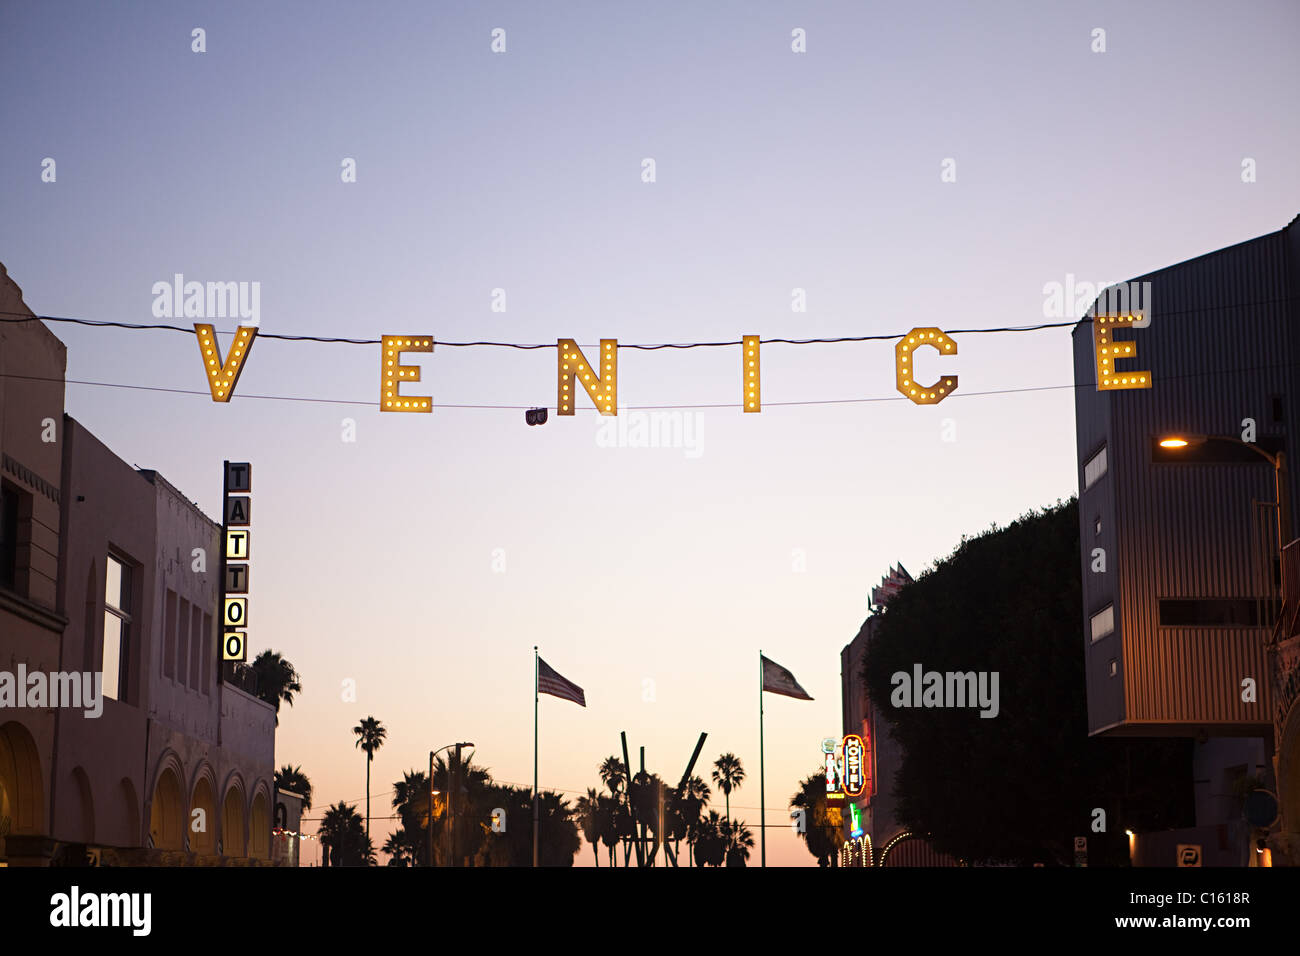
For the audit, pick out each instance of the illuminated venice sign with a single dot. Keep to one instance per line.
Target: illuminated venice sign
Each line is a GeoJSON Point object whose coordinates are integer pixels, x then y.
{"type": "Point", "coordinates": [597, 376]}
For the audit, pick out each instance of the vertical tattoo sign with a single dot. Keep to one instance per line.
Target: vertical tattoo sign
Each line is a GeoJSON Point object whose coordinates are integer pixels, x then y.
{"type": "Point", "coordinates": [237, 512]}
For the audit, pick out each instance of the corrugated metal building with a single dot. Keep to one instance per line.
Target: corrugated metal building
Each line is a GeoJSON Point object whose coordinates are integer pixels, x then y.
{"type": "Point", "coordinates": [1180, 615]}
{"type": "Point", "coordinates": [1179, 547]}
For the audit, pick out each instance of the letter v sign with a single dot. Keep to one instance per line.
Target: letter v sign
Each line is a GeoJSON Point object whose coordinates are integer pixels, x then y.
{"type": "Point", "coordinates": [222, 375]}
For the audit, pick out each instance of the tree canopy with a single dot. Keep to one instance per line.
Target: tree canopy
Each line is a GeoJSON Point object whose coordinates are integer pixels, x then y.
{"type": "Point", "coordinates": [1019, 786]}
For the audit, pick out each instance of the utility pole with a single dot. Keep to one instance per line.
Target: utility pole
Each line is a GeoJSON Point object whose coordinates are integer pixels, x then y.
{"type": "Point", "coordinates": [429, 828]}
{"type": "Point", "coordinates": [451, 805]}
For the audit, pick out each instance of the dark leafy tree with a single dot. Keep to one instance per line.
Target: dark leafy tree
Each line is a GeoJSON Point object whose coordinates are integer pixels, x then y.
{"type": "Point", "coordinates": [294, 780]}
{"type": "Point", "coordinates": [821, 831]}
{"type": "Point", "coordinates": [467, 811]}
{"type": "Point", "coordinates": [277, 680]}
{"type": "Point", "coordinates": [559, 839]}
{"type": "Point", "coordinates": [738, 841]}
{"type": "Point", "coordinates": [1019, 786]}
{"type": "Point", "coordinates": [695, 797]}
{"type": "Point", "coordinates": [710, 840]}
{"type": "Point", "coordinates": [587, 814]}
{"type": "Point", "coordinates": [411, 801]}
{"type": "Point", "coordinates": [344, 839]}
{"type": "Point", "coordinates": [609, 816]}
{"type": "Point", "coordinates": [402, 848]}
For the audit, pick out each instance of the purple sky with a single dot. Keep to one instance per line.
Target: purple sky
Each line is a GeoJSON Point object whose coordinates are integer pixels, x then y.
{"type": "Point", "coordinates": [373, 560]}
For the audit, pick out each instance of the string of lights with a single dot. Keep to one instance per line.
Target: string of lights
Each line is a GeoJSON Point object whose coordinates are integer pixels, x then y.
{"type": "Point", "coordinates": [677, 407]}
{"type": "Point", "coordinates": [222, 385]}
{"type": "Point", "coordinates": [336, 340]}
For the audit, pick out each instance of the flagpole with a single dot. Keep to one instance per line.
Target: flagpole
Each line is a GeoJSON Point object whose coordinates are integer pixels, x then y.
{"type": "Point", "coordinates": [762, 794]}
{"type": "Point", "coordinates": [535, 808]}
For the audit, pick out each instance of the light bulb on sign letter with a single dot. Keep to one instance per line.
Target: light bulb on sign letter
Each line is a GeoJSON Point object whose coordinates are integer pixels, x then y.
{"type": "Point", "coordinates": [1107, 348]}
{"type": "Point", "coordinates": [751, 393]}
{"type": "Point", "coordinates": [905, 365]}
{"type": "Point", "coordinates": [222, 375]}
{"type": "Point", "coordinates": [601, 381]}
{"type": "Point", "coordinates": [392, 371]}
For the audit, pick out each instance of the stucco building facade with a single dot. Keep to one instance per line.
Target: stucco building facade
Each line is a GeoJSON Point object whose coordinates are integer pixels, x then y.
{"type": "Point", "coordinates": [115, 578]}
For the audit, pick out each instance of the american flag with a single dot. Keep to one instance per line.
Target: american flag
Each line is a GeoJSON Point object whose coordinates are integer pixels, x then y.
{"type": "Point", "coordinates": [549, 682]}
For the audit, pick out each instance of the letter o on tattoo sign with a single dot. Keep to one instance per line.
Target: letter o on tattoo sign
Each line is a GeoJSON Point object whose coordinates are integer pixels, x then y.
{"type": "Point", "coordinates": [236, 612]}
{"type": "Point", "coordinates": [233, 644]}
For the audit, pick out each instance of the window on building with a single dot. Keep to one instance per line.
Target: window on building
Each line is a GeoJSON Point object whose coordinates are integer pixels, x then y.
{"type": "Point", "coordinates": [1096, 525]}
{"type": "Point", "coordinates": [1218, 612]}
{"type": "Point", "coordinates": [1103, 622]}
{"type": "Point", "coordinates": [208, 652]}
{"type": "Point", "coordinates": [182, 642]}
{"type": "Point", "coordinates": [196, 643]}
{"type": "Point", "coordinates": [169, 636]}
{"type": "Point", "coordinates": [1114, 667]}
{"type": "Point", "coordinates": [1094, 468]}
{"type": "Point", "coordinates": [117, 628]}
{"type": "Point", "coordinates": [8, 536]}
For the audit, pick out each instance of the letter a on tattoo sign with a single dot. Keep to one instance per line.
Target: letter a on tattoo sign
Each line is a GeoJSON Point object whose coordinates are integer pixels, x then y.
{"type": "Point", "coordinates": [600, 382]}
{"type": "Point", "coordinates": [222, 375]}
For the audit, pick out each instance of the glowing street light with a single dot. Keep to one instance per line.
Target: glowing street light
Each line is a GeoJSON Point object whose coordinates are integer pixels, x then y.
{"type": "Point", "coordinates": [1278, 461]}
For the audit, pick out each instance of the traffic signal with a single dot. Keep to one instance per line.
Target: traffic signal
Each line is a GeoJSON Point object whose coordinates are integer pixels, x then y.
{"type": "Point", "coordinates": [535, 416]}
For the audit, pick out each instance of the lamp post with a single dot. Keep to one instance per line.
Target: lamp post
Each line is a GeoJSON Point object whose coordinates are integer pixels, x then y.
{"type": "Point", "coordinates": [1278, 461]}
{"type": "Point", "coordinates": [450, 791]}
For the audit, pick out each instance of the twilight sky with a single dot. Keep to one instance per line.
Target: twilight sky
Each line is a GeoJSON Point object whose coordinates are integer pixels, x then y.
{"type": "Point", "coordinates": [650, 576]}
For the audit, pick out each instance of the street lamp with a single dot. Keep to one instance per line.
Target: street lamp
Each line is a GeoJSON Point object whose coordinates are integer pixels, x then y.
{"type": "Point", "coordinates": [1278, 461]}
{"type": "Point", "coordinates": [450, 791]}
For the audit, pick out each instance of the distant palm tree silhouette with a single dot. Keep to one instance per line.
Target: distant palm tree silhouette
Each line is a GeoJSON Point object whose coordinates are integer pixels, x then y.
{"type": "Point", "coordinates": [728, 774]}
{"type": "Point", "coordinates": [370, 737]}
{"type": "Point", "coordinates": [277, 681]}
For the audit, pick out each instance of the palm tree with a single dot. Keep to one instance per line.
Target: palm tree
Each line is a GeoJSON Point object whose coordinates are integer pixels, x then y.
{"type": "Point", "coordinates": [613, 774]}
{"type": "Point", "coordinates": [821, 832]}
{"type": "Point", "coordinates": [738, 841]}
{"type": "Point", "coordinates": [294, 780]}
{"type": "Point", "coordinates": [710, 846]}
{"type": "Point", "coordinates": [587, 814]}
{"type": "Point", "coordinates": [559, 839]}
{"type": "Point", "coordinates": [277, 680]}
{"type": "Point", "coordinates": [411, 801]}
{"type": "Point", "coordinates": [471, 806]}
{"type": "Point", "coordinates": [370, 737]}
{"type": "Point", "coordinates": [342, 838]}
{"type": "Point", "coordinates": [401, 847]}
{"type": "Point", "coordinates": [608, 820]}
{"type": "Point", "coordinates": [694, 798]}
{"type": "Point", "coordinates": [728, 774]}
